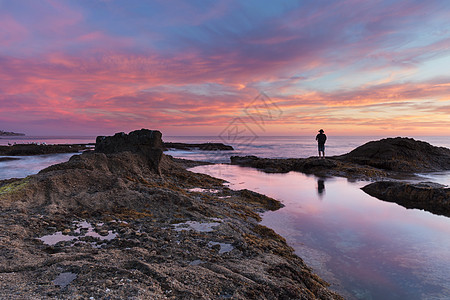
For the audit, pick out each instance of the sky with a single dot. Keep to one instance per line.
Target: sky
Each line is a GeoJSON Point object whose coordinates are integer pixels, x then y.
{"type": "Point", "coordinates": [200, 67]}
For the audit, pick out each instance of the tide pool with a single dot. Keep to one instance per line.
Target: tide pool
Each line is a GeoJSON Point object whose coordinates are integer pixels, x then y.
{"type": "Point", "coordinates": [365, 248]}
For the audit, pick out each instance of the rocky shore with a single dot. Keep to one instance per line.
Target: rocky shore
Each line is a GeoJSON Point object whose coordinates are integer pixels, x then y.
{"type": "Point", "coordinates": [39, 149]}
{"type": "Point", "coordinates": [320, 167]}
{"type": "Point", "coordinates": [384, 161]}
{"type": "Point", "coordinates": [203, 146]}
{"type": "Point", "coordinates": [35, 149]}
{"type": "Point", "coordinates": [128, 222]}
{"type": "Point", "coordinates": [9, 133]}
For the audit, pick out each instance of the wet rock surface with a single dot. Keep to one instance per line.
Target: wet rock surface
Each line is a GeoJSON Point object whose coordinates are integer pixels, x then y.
{"type": "Point", "coordinates": [171, 240]}
{"type": "Point", "coordinates": [429, 196]}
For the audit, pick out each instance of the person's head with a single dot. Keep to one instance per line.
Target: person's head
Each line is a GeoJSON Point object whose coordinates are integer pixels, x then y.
{"type": "Point", "coordinates": [321, 130]}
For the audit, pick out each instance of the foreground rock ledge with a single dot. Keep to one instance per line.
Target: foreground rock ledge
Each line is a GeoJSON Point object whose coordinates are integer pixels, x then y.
{"type": "Point", "coordinates": [167, 239]}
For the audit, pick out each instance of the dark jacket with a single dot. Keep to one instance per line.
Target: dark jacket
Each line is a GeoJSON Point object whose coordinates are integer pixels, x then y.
{"type": "Point", "coordinates": [321, 138]}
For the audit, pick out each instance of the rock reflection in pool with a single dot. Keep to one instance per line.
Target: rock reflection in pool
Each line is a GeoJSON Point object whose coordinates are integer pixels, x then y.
{"type": "Point", "coordinates": [366, 248]}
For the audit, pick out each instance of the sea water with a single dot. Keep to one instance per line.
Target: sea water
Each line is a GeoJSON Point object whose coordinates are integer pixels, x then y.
{"type": "Point", "coordinates": [281, 146]}
{"type": "Point", "coordinates": [261, 146]}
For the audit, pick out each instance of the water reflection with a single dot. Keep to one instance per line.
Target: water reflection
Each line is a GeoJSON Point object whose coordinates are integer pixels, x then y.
{"type": "Point", "coordinates": [320, 187]}
{"type": "Point", "coordinates": [366, 248]}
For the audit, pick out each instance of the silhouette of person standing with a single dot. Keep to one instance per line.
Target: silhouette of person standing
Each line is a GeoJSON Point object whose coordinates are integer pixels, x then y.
{"type": "Point", "coordinates": [321, 139]}
{"type": "Point", "coordinates": [320, 186]}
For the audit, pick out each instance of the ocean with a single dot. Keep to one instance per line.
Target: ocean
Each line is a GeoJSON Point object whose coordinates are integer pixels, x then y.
{"type": "Point", "coordinates": [261, 146]}
{"type": "Point", "coordinates": [282, 146]}
{"type": "Point", "coordinates": [365, 248]}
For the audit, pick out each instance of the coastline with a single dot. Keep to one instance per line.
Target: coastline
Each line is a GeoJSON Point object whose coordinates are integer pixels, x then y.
{"type": "Point", "coordinates": [391, 164]}
{"type": "Point", "coordinates": [39, 149]}
{"type": "Point", "coordinates": [170, 167]}
{"type": "Point", "coordinates": [172, 228]}
{"type": "Point", "coordinates": [8, 134]}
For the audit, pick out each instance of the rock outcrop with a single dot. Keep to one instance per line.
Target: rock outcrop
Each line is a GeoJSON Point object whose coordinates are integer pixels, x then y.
{"type": "Point", "coordinates": [8, 158]}
{"type": "Point", "coordinates": [400, 155]}
{"type": "Point", "coordinates": [9, 133]}
{"type": "Point", "coordinates": [147, 143]}
{"type": "Point", "coordinates": [203, 146]}
{"type": "Point", "coordinates": [432, 197]}
{"type": "Point", "coordinates": [35, 149]}
{"type": "Point", "coordinates": [312, 165]}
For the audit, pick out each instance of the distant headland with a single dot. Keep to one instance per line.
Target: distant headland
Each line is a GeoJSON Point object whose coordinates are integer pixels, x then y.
{"type": "Point", "coordinates": [6, 133]}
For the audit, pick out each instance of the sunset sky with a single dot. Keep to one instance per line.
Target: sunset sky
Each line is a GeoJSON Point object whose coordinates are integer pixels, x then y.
{"type": "Point", "coordinates": [352, 67]}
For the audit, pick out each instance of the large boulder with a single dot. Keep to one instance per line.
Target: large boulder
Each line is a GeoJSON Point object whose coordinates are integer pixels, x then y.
{"type": "Point", "coordinates": [400, 154]}
{"type": "Point", "coordinates": [144, 142]}
{"type": "Point", "coordinates": [430, 196]}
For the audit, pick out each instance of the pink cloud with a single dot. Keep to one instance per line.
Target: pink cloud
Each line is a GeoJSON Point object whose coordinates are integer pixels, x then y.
{"type": "Point", "coordinates": [11, 31]}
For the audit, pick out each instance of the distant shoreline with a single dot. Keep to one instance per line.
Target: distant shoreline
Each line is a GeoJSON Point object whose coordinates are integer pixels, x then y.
{"type": "Point", "coordinates": [7, 133]}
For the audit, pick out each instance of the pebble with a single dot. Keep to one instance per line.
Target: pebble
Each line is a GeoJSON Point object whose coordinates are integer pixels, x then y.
{"type": "Point", "coordinates": [103, 232]}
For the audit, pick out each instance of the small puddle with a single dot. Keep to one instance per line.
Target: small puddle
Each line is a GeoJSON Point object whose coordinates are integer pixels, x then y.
{"type": "Point", "coordinates": [55, 238]}
{"type": "Point", "coordinates": [201, 190]}
{"type": "Point", "coordinates": [83, 229]}
{"type": "Point", "coordinates": [224, 247]}
{"type": "Point", "coordinates": [197, 226]}
{"type": "Point", "coordinates": [196, 262]}
{"type": "Point", "coordinates": [64, 279]}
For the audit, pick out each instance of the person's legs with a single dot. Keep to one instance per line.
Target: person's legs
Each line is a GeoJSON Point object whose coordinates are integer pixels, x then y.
{"type": "Point", "coordinates": [322, 150]}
